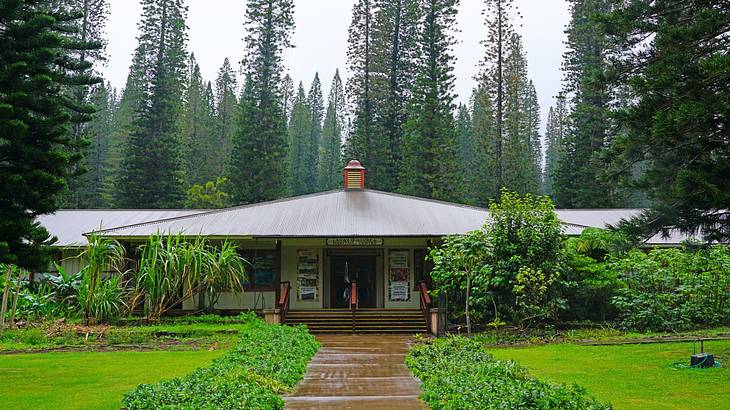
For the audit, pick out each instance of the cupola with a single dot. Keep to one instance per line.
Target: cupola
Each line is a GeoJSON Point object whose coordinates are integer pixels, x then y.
{"type": "Point", "coordinates": [354, 174]}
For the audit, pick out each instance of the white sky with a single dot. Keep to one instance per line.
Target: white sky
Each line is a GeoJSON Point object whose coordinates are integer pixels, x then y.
{"type": "Point", "coordinates": [216, 32]}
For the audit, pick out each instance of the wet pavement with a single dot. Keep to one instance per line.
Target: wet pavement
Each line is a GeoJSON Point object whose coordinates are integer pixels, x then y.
{"type": "Point", "coordinates": [358, 372]}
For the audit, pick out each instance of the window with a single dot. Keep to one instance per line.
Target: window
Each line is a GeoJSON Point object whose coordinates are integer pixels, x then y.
{"type": "Point", "coordinates": [262, 270]}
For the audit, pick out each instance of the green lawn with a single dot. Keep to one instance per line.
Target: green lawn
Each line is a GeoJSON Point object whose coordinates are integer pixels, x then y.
{"type": "Point", "coordinates": [632, 376]}
{"type": "Point", "coordinates": [88, 380]}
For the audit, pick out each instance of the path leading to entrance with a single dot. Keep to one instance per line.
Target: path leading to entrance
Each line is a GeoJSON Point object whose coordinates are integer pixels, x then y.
{"type": "Point", "coordinates": [358, 372]}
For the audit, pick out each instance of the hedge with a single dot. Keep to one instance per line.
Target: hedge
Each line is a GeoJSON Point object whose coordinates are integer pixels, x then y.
{"type": "Point", "coordinates": [267, 363]}
{"type": "Point", "coordinates": [457, 373]}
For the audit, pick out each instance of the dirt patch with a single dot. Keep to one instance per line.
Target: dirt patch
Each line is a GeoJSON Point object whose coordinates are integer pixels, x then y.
{"type": "Point", "coordinates": [134, 347]}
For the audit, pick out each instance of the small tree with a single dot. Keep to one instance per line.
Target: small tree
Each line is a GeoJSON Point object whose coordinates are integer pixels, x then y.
{"type": "Point", "coordinates": [526, 245]}
{"type": "Point", "coordinates": [460, 263]}
{"type": "Point", "coordinates": [210, 195]}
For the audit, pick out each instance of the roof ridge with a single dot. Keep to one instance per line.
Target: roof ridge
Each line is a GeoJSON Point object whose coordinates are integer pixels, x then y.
{"type": "Point", "coordinates": [436, 201]}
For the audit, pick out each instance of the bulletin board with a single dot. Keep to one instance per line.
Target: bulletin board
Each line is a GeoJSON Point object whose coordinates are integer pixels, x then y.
{"type": "Point", "coordinates": [399, 275]}
{"type": "Point", "coordinates": [308, 275]}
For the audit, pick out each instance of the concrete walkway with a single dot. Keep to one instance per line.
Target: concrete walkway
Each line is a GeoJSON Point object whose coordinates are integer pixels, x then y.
{"type": "Point", "coordinates": [358, 372]}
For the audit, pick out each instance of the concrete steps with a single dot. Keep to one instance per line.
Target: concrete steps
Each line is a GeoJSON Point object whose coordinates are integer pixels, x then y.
{"type": "Point", "coordinates": [370, 320]}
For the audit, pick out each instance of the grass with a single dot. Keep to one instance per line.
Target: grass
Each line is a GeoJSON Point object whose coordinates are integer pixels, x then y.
{"type": "Point", "coordinates": [632, 376]}
{"type": "Point", "coordinates": [88, 380]}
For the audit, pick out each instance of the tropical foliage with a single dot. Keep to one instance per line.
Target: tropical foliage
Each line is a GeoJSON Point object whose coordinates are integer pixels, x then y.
{"type": "Point", "coordinates": [267, 363]}
{"type": "Point", "coordinates": [457, 373]}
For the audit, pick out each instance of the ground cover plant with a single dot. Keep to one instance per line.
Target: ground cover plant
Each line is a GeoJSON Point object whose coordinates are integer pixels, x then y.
{"type": "Point", "coordinates": [268, 361]}
{"type": "Point", "coordinates": [635, 376]}
{"type": "Point", "coordinates": [458, 373]}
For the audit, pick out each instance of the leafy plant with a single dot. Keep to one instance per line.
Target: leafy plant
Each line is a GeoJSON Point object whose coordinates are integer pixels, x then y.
{"type": "Point", "coordinates": [267, 363]}
{"type": "Point", "coordinates": [457, 373]}
{"type": "Point", "coordinates": [102, 255]}
{"type": "Point", "coordinates": [673, 289]}
{"type": "Point", "coordinates": [460, 265]}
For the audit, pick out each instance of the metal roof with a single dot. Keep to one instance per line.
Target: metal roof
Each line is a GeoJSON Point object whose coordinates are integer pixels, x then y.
{"type": "Point", "coordinates": [350, 213]}
{"type": "Point", "coordinates": [69, 225]}
{"type": "Point", "coordinates": [328, 214]}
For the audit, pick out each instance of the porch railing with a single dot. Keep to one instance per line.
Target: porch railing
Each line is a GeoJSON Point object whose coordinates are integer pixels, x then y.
{"type": "Point", "coordinates": [283, 303]}
{"type": "Point", "coordinates": [354, 304]}
{"type": "Point", "coordinates": [425, 302]}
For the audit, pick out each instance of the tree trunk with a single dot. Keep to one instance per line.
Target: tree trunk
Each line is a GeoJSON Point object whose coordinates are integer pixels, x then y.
{"type": "Point", "coordinates": [468, 295]}
{"type": "Point", "coordinates": [16, 296]}
{"type": "Point", "coordinates": [6, 292]}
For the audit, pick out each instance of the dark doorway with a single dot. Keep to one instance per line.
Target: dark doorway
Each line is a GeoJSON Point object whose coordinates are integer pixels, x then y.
{"type": "Point", "coordinates": [348, 269]}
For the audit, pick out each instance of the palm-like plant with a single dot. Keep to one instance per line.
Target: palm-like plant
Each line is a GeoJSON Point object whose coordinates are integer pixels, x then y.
{"type": "Point", "coordinates": [226, 270]}
{"type": "Point", "coordinates": [101, 255]}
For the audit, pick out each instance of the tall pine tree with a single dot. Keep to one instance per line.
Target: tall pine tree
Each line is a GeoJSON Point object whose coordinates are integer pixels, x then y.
{"type": "Point", "coordinates": [315, 101]}
{"type": "Point", "coordinates": [556, 128]}
{"type": "Point", "coordinates": [95, 186]}
{"type": "Point", "coordinates": [366, 141]}
{"type": "Point", "coordinates": [494, 78]}
{"type": "Point", "coordinates": [258, 167]}
{"type": "Point", "coordinates": [330, 148]}
{"type": "Point", "coordinates": [201, 147]}
{"type": "Point", "coordinates": [38, 56]}
{"type": "Point", "coordinates": [226, 110]}
{"type": "Point", "coordinates": [430, 151]}
{"type": "Point", "coordinates": [153, 173]}
{"type": "Point", "coordinates": [577, 177]}
{"type": "Point", "coordinates": [481, 183]}
{"type": "Point", "coordinates": [90, 27]}
{"type": "Point", "coordinates": [303, 180]}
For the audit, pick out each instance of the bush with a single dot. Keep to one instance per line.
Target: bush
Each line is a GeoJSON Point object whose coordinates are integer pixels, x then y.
{"type": "Point", "coordinates": [673, 289]}
{"type": "Point", "coordinates": [268, 362]}
{"type": "Point", "coordinates": [457, 373]}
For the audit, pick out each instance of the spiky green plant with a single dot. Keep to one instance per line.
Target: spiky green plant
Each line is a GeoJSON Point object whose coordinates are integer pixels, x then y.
{"type": "Point", "coordinates": [101, 255]}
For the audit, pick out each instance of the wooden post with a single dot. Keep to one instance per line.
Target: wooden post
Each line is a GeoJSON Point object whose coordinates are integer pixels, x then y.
{"type": "Point", "coordinates": [16, 296]}
{"type": "Point", "coordinates": [6, 291]}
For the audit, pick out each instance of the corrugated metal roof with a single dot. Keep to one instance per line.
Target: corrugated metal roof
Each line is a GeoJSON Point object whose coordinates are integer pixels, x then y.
{"type": "Point", "coordinates": [69, 225]}
{"type": "Point", "coordinates": [341, 214]}
{"type": "Point", "coordinates": [327, 214]}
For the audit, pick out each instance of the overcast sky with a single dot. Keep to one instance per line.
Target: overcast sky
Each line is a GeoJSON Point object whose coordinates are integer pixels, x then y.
{"type": "Point", "coordinates": [320, 37]}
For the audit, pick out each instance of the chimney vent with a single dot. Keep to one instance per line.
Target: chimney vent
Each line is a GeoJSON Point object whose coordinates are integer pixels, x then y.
{"type": "Point", "coordinates": [354, 174]}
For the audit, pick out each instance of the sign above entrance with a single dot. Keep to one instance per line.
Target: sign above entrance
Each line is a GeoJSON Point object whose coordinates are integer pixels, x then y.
{"type": "Point", "coordinates": [354, 241]}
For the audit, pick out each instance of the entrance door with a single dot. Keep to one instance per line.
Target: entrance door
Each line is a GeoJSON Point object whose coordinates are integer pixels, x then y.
{"type": "Point", "coordinates": [348, 269]}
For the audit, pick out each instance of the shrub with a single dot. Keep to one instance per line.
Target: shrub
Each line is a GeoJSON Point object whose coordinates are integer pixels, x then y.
{"type": "Point", "coordinates": [457, 373]}
{"type": "Point", "coordinates": [267, 362]}
{"type": "Point", "coordinates": [673, 289]}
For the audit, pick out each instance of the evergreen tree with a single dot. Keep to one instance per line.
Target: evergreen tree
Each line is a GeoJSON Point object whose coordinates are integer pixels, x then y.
{"type": "Point", "coordinates": [315, 102]}
{"type": "Point", "coordinates": [483, 182]}
{"type": "Point", "coordinates": [577, 177]}
{"type": "Point", "coordinates": [467, 150]}
{"type": "Point", "coordinates": [38, 56]}
{"type": "Point", "coordinates": [395, 45]}
{"type": "Point", "coordinates": [366, 140]}
{"type": "Point", "coordinates": [226, 109]}
{"type": "Point", "coordinates": [153, 173]}
{"type": "Point", "coordinates": [287, 96]}
{"type": "Point", "coordinates": [430, 149]}
{"type": "Point", "coordinates": [519, 172]}
{"type": "Point", "coordinates": [201, 148]}
{"type": "Point", "coordinates": [674, 126]}
{"type": "Point", "coordinates": [556, 128]}
{"type": "Point", "coordinates": [89, 27]}
{"type": "Point", "coordinates": [95, 185]}
{"type": "Point", "coordinates": [258, 168]}
{"type": "Point", "coordinates": [302, 152]}
{"type": "Point", "coordinates": [534, 140]}
{"type": "Point", "coordinates": [330, 150]}
{"type": "Point", "coordinates": [494, 78]}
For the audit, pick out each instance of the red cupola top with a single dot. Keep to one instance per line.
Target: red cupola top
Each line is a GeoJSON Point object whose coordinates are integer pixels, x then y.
{"type": "Point", "coordinates": [354, 174]}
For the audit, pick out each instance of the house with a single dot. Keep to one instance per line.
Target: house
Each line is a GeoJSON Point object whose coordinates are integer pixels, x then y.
{"type": "Point", "coordinates": [312, 254]}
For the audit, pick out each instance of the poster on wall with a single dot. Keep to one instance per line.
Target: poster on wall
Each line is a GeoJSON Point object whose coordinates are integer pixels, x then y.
{"type": "Point", "coordinates": [308, 275]}
{"type": "Point", "coordinates": [399, 275]}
